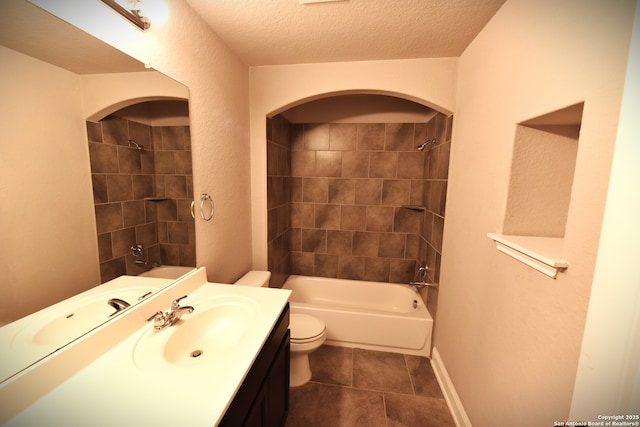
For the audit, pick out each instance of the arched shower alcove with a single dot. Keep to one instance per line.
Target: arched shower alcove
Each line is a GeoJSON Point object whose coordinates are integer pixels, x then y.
{"type": "Point", "coordinates": [356, 188]}
{"type": "Point", "coordinates": [141, 171]}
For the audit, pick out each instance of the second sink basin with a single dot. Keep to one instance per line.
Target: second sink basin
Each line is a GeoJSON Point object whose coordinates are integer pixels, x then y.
{"type": "Point", "coordinates": [72, 318]}
{"type": "Point", "coordinates": [215, 329]}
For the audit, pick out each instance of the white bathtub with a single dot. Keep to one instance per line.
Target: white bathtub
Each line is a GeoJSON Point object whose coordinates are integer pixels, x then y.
{"type": "Point", "coordinates": [370, 315]}
{"type": "Point", "coordinates": [167, 272]}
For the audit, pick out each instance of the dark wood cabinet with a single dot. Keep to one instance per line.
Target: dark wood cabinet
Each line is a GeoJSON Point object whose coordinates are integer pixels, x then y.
{"type": "Point", "coordinates": [263, 397]}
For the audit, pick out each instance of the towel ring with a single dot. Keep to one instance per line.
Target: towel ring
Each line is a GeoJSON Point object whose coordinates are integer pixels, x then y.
{"type": "Point", "coordinates": [203, 198]}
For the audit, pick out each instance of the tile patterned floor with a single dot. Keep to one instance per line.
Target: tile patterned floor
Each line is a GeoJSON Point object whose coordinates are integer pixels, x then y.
{"type": "Point", "coordinates": [356, 387]}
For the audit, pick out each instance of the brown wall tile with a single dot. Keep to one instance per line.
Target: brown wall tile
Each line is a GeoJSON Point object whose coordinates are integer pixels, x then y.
{"type": "Point", "coordinates": [342, 137]}
{"type": "Point", "coordinates": [366, 244]}
{"type": "Point", "coordinates": [379, 218]}
{"type": "Point", "coordinates": [398, 137]}
{"type": "Point", "coordinates": [370, 136]}
{"type": "Point", "coordinates": [339, 242]}
{"type": "Point", "coordinates": [328, 163]}
{"type": "Point", "coordinates": [315, 190]}
{"type": "Point", "coordinates": [325, 265]}
{"type": "Point", "coordinates": [392, 245]}
{"type": "Point", "coordinates": [355, 164]}
{"type": "Point", "coordinates": [396, 192]}
{"type": "Point", "coordinates": [342, 191]}
{"type": "Point", "coordinates": [103, 158]}
{"type": "Point", "coordinates": [368, 191]}
{"type": "Point", "coordinates": [383, 164]}
{"type": "Point", "coordinates": [126, 176]}
{"type": "Point", "coordinates": [316, 136]}
{"type": "Point", "coordinates": [353, 218]}
{"type": "Point", "coordinates": [327, 216]}
{"type": "Point", "coordinates": [361, 174]}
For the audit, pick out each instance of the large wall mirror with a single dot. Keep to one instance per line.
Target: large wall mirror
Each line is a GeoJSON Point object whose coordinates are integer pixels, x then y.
{"type": "Point", "coordinates": [95, 158]}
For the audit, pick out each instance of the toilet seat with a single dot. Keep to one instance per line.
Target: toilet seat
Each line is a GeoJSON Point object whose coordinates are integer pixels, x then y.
{"type": "Point", "coordinates": [305, 328]}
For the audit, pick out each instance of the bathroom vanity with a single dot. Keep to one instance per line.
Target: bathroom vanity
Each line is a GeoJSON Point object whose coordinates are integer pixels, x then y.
{"type": "Point", "coordinates": [263, 398]}
{"type": "Point", "coordinates": [226, 363]}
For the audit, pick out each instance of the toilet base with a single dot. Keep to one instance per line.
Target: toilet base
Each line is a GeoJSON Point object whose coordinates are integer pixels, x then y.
{"type": "Point", "coordinates": [300, 371]}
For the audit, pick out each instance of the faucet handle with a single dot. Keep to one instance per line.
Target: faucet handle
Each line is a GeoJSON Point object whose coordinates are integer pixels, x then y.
{"type": "Point", "coordinates": [157, 317]}
{"type": "Point", "coordinates": [422, 273]}
{"type": "Point", "coordinates": [176, 303]}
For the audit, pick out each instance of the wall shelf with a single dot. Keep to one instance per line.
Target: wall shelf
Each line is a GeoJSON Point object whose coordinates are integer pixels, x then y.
{"type": "Point", "coordinates": [414, 208]}
{"type": "Point", "coordinates": [544, 254]}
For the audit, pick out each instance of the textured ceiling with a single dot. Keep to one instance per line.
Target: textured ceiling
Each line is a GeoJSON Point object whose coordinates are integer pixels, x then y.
{"type": "Point", "coordinates": [268, 32]}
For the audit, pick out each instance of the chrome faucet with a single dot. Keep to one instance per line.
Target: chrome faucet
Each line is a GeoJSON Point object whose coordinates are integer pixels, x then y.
{"type": "Point", "coordinates": [162, 320]}
{"type": "Point", "coordinates": [118, 304]}
{"type": "Point", "coordinates": [420, 279]}
{"type": "Point", "coordinates": [137, 250]}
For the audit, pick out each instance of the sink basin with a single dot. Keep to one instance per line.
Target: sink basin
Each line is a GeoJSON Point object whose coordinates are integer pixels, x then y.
{"type": "Point", "coordinates": [76, 317]}
{"type": "Point", "coordinates": [211, 333]}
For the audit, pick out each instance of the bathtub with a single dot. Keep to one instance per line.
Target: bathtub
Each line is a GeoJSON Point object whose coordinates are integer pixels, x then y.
{"type": "Point", "coordinates": [370, 315]}
{"type": "Point", "coordinates": [167, 272]}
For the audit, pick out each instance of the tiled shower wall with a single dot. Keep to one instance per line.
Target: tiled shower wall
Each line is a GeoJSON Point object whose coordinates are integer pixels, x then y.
{"type": "Point", "coordinates": [356, 201]}
{"type": "Point", "coordinates": [141, 196]}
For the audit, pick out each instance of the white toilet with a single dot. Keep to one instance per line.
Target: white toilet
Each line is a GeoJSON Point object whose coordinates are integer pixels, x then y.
{"type": "Point", "coordinates": [307, 332]}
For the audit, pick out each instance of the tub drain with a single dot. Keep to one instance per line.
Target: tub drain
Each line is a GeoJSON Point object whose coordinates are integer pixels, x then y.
{"type": "Point", "coordinates": [196, 353]}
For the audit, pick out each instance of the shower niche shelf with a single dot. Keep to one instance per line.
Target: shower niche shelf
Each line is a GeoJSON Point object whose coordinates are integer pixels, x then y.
{"type": "Point", "coordinates": [155, 199]}
{"type": "Point", "coordinates": [414, 208]}
{"type": "Point", "coordinates": [544, 254]}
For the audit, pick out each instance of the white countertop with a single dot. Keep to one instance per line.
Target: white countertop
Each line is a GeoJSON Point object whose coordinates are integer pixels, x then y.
{"type": "Point", "coordinates": [18, 349]}
{"type": "Point", "coordinates": [113, 390]}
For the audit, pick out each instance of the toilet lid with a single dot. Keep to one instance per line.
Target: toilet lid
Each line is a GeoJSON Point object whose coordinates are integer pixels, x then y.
{"type": "Point", "coordinates": [305, 326]}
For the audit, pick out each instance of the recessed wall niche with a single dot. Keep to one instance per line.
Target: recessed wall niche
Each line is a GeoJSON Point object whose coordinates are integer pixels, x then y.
{"type": "Point", "coordinates": [542, 169]}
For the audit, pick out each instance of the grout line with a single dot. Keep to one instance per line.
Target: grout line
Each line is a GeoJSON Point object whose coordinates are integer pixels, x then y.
{"type": "Point", "coordinates": [406, 364]}
{"type": "Point", "coordinates": [352, 367]}
{"type": "Point", "coordinates": [384, 409]}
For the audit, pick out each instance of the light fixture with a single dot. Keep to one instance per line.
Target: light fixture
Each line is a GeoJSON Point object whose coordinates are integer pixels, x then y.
{"type": "Point", "coordinates": [318, 1]}
{"type": "Point", "coordinates": [130, 9]}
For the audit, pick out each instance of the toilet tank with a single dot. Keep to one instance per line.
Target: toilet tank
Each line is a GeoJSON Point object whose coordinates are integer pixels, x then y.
{"type": "Point", "coordinates": [255, 278]}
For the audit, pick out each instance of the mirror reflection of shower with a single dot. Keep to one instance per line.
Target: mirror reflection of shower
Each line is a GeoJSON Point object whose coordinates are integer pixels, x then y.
{"type": "Point", "coordinates": [425, 144]}
{"type": "Point", "coordinates": [143, 187]}
{"type": "Point", "coordinates": [135, 145]}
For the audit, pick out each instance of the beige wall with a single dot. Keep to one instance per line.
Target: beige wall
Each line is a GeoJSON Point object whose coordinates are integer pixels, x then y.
{"type": "Point", "coordinates": [185, 49]}
{"type": "Point", "coordinates": [509, 336]}
{"type": "Point", "coordinates": [608, 380]}
{"type": "Point", "coordinates": [276, 88]}
{"type": "Point", "coordinates": [45, 190]}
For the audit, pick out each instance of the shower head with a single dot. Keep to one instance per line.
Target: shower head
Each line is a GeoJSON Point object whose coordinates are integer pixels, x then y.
{"type": "Point", "coordinates": [134, 144]}
{"type": "Point", "coordinates": [422, 146]}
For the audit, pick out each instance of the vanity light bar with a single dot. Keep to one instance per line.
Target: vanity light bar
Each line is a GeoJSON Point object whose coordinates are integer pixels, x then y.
{"type": "Point", "coordinates": [318, 1]}
{"type": "Point", "coordinates": [133, 16]}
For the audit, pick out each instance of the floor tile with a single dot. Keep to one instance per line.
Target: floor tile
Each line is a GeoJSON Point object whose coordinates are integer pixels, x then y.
{"type": "Point", "coordinates": [355, 387]}
{"type": "Point", "coordinates": [332, 365]}
{"type": "Point", "coordinates": [320, 405]}
{"type": "Point", "coordinates": [422, 377]}
{"type": "Point", "coordinates": [416, 411]}
{"type": "Point", "coordinates": [376, 370]}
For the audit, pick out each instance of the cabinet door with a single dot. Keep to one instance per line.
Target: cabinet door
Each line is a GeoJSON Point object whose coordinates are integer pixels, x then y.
{"type": "Point", "coordinates": [258, 412]}
{"type": "Point", "coordinates": [278, 386]}
{"type": "Point", "coordinates": [263, 397]}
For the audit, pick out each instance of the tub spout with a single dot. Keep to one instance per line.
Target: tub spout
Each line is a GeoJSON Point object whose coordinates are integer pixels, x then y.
{"type": "Point", "coordinates": [420, 285]}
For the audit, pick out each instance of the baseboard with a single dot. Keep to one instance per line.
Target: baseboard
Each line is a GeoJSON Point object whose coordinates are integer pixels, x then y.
{"type": "Point", "coordinates": [449, 391]}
